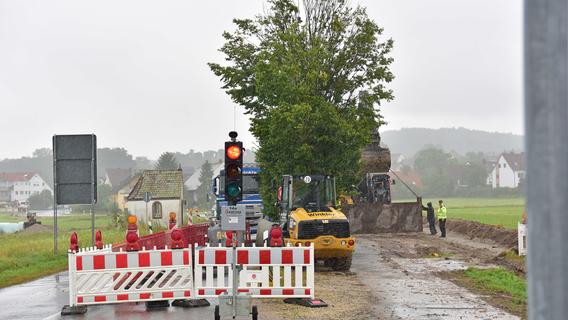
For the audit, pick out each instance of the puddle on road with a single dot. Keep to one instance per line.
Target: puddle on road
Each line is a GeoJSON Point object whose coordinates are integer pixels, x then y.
{"type": "Point", "coordinates": [429, 265]}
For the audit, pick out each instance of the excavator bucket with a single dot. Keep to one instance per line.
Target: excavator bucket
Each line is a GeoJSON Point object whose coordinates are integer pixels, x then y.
{"type": "Point", "coordinates": [384, 218]}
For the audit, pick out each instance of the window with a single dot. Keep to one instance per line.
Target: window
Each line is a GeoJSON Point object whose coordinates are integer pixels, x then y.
{"type": "Point", "coordinates": [504, 165]}
{"type": "Point", "coordinates": [156, 210]}
{"type": "Point", "coordinates": [250, 184]}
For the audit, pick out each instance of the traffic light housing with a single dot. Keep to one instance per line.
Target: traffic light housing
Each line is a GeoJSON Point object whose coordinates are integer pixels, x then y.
{"type": "Point", "coordinates": [233, 172]}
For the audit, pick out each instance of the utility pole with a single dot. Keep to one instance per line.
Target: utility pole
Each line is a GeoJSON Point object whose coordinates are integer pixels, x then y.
{"type": "Point", "coordinates": [546, 114]}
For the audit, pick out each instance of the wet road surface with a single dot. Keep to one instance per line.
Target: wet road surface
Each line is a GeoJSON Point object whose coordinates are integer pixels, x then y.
{"type": "Point", "coordinates": [408, 288]}
{"type": "Point", "coordinates": [44, 298]}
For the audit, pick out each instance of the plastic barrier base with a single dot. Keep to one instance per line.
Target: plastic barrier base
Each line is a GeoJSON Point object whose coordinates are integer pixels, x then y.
{"type": "Point", "coordinates": [193, 303]}
{"type": "Point", "coordinates": [154, 305]}
{"type": "Point", "coordinates": [306, 302]}
{"type": "Point", "coordinates": [68, 310]}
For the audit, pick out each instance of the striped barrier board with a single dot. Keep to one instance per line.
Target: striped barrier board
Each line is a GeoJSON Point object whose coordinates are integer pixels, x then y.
{"type": "Point", "coordinates": [97, 277]}
{"type": "Point", "coordinates": [522, 239]}
{"type": "Point", "coordinates": [282, 272]}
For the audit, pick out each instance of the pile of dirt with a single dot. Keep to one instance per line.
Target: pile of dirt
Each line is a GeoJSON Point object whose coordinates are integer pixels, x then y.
{"type": "Point", "coordinates": [37, 228]}
{"type": "Point", "coordinates": [473, 229]}
{"type": "Point", "coordinates": [511, 261]}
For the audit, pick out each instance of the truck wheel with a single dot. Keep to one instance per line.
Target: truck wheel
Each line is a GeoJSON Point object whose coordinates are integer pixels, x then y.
{"type": "Point", "coordinates": [217, 315]}
{"type": "Point", "coordinates": [329, 262]}
{"type": "Point", "coordinates": [342, 264]}
{"type": "Point", "coordinates": [254, 313]}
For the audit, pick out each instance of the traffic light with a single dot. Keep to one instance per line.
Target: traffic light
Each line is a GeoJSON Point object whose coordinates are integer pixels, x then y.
{"type": "Point", "coordinates": [233, 171]}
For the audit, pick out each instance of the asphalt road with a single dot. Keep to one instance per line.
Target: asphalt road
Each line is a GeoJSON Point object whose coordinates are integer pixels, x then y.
{"type": "Point", "coordinates": [44, 298]}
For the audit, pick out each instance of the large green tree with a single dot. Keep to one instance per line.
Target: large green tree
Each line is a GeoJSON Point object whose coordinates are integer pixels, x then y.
{"type": "Point", "coordinates": [167, 161]}
{"type": "Point", "coordinates": [311, 76]}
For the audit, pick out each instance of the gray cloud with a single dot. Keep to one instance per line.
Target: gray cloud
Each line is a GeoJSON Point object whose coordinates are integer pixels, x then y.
{"type": "Point", "coordinates": [135, 73]}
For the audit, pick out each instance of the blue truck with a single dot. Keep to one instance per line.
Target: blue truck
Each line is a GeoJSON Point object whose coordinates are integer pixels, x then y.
{"type": "Point", "coordinates": [251, 196]}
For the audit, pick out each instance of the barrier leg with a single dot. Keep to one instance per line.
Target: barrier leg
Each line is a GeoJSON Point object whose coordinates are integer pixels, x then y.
{"type": "Point", "coordinates": [68, 310]}
{"type": "Point", "coordinates": [191, 303]}
{"type": "Point", "coordinates": [155, 305]}
{"type": "Point", "coordinates": [306, 302]}
{"type": "Point", "coordinates": [72, 308]}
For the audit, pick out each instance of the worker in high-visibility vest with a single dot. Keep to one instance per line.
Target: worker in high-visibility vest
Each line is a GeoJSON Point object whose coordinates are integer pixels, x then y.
{"type": "Point", "coordinates": [442, 217]}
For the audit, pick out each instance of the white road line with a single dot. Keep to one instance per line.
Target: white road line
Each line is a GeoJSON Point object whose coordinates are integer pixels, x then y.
{"type": "Point", "coordinates": [53, 316]}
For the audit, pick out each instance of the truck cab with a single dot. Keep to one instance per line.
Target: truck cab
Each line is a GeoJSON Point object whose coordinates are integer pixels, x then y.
{"type": "Point", "coordinates": [308, 205]}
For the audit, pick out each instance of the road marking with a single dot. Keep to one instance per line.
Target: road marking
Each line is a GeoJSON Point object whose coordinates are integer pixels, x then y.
{"type": "Point", "coordinates": [53, 316]}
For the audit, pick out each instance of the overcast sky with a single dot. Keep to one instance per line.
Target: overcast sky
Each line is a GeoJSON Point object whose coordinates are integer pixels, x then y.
{"type": "Point", "coordinates": [135, 74]}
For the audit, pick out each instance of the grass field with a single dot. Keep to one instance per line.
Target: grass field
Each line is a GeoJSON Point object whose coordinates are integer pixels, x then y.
{"type": "Point", "coordinates": [503, 212]}
{"type": "Point", "coordinates": [26, 256]}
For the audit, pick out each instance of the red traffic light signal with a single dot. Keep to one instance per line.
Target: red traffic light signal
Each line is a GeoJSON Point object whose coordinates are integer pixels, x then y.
{"type": "Point", "coordinates": [234, 152]}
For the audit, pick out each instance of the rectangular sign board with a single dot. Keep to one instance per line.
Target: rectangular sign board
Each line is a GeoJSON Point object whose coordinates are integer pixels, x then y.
{"type": "Point", "coordinates": [233, 218]}
{"type": "Point", "coordinates": [75, 168]}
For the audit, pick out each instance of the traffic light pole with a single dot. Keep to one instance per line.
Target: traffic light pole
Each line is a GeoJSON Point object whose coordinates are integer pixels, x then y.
{"type": "Point", "coordinates": [546, 124]}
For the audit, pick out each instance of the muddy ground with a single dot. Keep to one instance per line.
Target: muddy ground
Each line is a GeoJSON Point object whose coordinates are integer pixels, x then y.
{"type": "Point", "coordinates": [402, 276]}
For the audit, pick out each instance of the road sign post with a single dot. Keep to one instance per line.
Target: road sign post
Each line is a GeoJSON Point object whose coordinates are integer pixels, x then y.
{"type": "Point", "coordinates": [148, 198]}
{"type": "Point", "coordinates": [233, 219]}
{"type": "Point", "coordinates": [74, 175]}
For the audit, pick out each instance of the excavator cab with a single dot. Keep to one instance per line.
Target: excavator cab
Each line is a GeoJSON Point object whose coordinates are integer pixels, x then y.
{"type": "Point", "coordinates": [308, 205]}
{"type": "Point", "coordinates": [314, 193]}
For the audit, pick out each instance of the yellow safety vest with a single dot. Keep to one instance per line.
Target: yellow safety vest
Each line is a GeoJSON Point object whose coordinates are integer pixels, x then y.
{"type": "Point", "coordinates": [442, 212]}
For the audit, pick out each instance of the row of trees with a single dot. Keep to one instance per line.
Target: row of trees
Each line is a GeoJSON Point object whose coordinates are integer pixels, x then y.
{"type": "Point", "coordinates": [449, 174]}
{"type": "Point", "coordinates": [311, 75]}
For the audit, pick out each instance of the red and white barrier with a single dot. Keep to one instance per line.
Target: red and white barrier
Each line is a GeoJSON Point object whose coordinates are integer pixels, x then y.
{"type": "Point", "coordinates": [102, 276]}
{"type": "Point", "coordinates": [281, 272]}
{"type": "Point", "coordinates": [522, 239]}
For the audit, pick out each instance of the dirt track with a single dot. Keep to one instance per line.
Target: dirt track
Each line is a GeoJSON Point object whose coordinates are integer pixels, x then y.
{"type": "Point", "coordinates": [394, 278]}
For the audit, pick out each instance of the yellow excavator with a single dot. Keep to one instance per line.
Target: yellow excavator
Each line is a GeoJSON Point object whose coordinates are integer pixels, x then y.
{"type": "Point", "coordinates": [308, 206]}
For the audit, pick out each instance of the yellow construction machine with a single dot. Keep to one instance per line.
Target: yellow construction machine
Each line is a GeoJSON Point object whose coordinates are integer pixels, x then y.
{"type": "Point", "coordinates": [308, 205]}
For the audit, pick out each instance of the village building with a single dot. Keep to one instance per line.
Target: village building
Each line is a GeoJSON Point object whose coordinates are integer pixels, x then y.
{"type": "Point", "coordinates": [122, 181]}
{"type": "Point", "coordinates": [165, 188]}
{"type": "Point", "coordinates": [192, 183]}
{"type": "Point", "coordinates": [18, 187]}
{"type": "Point", "coordinates": [508, 171]}
{"type": "Point", "coordinates": [116, 178]}
{"type": "Point", "coordinates": [120, 196]}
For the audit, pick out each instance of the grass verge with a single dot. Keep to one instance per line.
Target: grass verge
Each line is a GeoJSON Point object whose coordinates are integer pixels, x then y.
{"type": "Point", "coordinates": [498, 286]}
{"type": "Point", "coordinates": [26, 256]}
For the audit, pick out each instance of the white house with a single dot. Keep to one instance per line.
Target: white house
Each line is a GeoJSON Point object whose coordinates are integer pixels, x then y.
{"type": "Point", "coordinates": [165, 188]}
{"type": "Point", "coordinates": [508, 171]}
{"type": "Point", "coordinates": [192, 183]}
{"type": "Point", "coordinates": [20, 186]}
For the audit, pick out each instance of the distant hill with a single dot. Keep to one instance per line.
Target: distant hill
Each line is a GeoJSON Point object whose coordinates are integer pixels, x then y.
{"type": "Point", "coordinates": [408, 141]}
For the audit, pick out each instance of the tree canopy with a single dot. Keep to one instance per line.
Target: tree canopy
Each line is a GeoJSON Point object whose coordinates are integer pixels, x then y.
{"type": "Point", "coordinates": [205, 179]}
{"type": "Point", "coordinates": [167, 161]}
{"type": "Point", "coordinates": [312, 77]}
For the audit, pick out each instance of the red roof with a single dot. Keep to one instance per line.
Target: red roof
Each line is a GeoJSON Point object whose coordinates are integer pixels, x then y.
{"type": "Point", "coordinates": [515, 160]}
{"type": "Point", "coordinates": [17, 176]}
{"type": "Point", "coordinates": [411, 177]}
